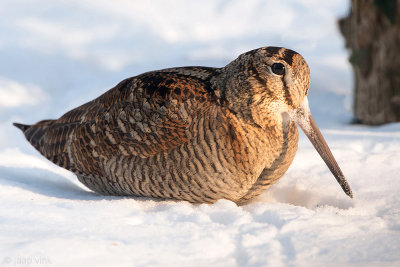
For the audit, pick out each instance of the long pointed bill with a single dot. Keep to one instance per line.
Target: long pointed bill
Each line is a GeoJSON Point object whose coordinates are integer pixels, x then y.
{"type": "Point", "coordinates": [302, 116]}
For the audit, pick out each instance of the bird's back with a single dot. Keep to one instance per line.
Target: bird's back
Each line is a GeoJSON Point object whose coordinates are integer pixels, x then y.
{"type": "Point", "coordinates": [126, 111]}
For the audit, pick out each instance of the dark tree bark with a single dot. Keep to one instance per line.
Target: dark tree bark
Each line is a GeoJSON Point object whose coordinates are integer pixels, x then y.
{"type": "Point", "coordinates": [372, 33]}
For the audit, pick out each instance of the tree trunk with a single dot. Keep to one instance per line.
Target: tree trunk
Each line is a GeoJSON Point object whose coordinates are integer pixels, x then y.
{"type": "Point", "coordinates": [372, 33]}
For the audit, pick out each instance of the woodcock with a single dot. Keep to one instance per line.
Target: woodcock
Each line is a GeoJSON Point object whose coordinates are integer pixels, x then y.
{"type": "Point", "coordinates": [191, 133]}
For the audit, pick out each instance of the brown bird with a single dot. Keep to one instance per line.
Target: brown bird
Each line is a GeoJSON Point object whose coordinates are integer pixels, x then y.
{"type": "Point", "coordinates": [192, 133]}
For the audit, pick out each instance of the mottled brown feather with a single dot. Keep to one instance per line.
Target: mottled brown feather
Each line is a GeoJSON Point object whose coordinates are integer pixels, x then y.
{"type": "Point", "coordinates": [148, 107]}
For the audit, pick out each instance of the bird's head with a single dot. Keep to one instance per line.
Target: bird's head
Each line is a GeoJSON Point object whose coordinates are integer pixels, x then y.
{"type": "Point", "coordinates": [268, 87]}
{"type": "Point", "coordinates": [265, 83]}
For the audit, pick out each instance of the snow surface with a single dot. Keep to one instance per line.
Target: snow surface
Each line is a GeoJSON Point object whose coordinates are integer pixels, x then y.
{"type": "Point", "coordinates": [56, 55]}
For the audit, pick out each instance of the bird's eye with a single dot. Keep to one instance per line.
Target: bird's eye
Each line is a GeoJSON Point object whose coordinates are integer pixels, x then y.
{"type": "Point", "coordinates": [278, 68]}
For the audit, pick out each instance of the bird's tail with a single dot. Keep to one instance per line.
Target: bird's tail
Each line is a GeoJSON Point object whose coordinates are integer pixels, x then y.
{"type": "Point", "coordinates": [50, 140]}
{"type": "Point", "coordinates": [22, 127]}
{"type": "Point", "coordinates": [35, 133]}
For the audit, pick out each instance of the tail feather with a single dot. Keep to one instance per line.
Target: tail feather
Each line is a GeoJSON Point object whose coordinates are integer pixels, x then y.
{"type": "Point", "coordinates": [50, 140]}
{"type": "Point", "coordinates": [34, 133]}
{"type": "Point", "coordinates": [22, 127]}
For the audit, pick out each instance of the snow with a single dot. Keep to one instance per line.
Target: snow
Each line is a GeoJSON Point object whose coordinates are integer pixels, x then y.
{"type": "Point", "coordinates": [56, 55]}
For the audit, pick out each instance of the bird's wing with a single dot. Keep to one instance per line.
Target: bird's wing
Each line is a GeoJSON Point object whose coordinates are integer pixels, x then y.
{"type": "Point", "coordinates": [141, 116]}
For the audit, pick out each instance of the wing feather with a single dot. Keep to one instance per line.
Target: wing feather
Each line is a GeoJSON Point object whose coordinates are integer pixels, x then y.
{"type": "Point", "coordinates": [142, 116]}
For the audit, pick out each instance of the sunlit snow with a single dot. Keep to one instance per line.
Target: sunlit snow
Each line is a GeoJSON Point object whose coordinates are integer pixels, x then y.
{"type": "Point", "coordinates": [56, 55]}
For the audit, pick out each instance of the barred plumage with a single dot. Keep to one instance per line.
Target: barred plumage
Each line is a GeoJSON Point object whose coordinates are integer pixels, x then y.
{"type": "Point", "coordinates": [191, 133]}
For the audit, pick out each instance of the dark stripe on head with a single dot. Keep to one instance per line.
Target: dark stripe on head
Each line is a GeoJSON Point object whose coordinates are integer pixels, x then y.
{"type": "Point", "coordinates": [288, 56]}
{"type": "Point", "coordinates": [250, 53]}
{"type": "Point", "coordinates": [288, 97]}
{"type": "Point", "coordinates": [273, 49]}
{"type": "Point", "coordinates": [256, 75]}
